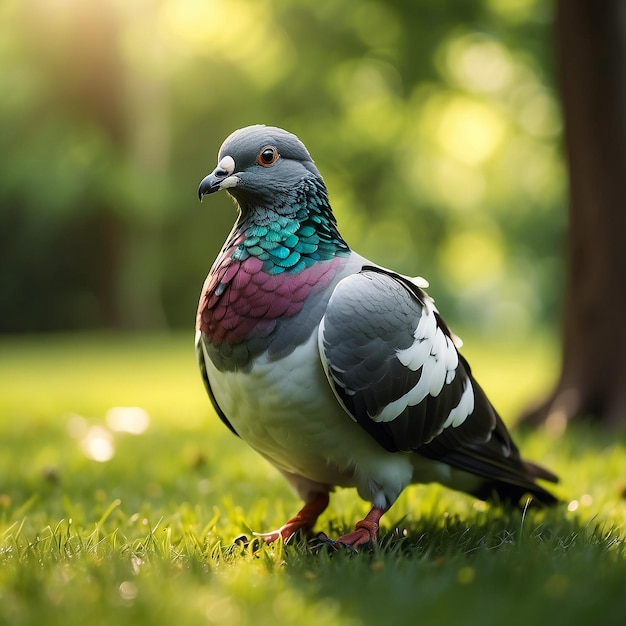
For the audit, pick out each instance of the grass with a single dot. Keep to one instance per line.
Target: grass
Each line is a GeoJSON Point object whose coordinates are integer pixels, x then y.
{"type": "Point", "coordinates": [147, 535]}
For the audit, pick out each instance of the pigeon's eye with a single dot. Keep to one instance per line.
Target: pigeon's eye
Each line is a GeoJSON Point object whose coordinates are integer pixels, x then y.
{"type": "Point", "coordinates": [268, 156]}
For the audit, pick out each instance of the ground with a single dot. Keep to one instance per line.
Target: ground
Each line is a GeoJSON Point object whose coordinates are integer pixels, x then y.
{"type": "Point", "coordinates": [129, 516]}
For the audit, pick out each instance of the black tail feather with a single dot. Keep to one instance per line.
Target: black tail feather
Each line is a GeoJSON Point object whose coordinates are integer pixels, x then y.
{"type": "Point", "coordinates": [506, 476]}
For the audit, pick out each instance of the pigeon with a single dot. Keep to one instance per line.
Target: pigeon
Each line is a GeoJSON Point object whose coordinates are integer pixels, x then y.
{"type": "Point", "coordinates": [339, 372]}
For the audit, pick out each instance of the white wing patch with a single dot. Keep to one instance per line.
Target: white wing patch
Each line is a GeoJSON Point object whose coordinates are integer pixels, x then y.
{"type": "Point", "coordinates": [434, 352]}
{"type": "Point", "coordinates": [464, 408]}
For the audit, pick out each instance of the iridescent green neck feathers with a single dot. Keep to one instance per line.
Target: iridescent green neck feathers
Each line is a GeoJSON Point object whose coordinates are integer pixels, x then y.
{"type": "Point", "coordinates": [291, 240]}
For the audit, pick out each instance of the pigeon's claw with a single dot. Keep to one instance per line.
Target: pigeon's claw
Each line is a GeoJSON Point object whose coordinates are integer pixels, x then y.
{"type": "Point", "coordinates": [286, 531]}
{"type": "Point", "coordinates": [322, 540]}
{"type": "Point", "coordinates": [365, 532]}
{"type": "Point", "coordinates": [304, 520]}
{"type": "Point", "coordinates": [358, 537]}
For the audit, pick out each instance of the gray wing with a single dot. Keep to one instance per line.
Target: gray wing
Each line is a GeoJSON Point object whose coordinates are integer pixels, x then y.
{"type": "Point", "coordinates": [393, 365]}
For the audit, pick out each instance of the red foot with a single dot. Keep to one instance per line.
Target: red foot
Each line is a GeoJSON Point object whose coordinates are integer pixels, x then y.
{"type": "Point", "coordinates": [305, 519]}
{"type": "Point", "coordinates": [358, 537]}
{"type": "Point", "coordinates": [365, 531]}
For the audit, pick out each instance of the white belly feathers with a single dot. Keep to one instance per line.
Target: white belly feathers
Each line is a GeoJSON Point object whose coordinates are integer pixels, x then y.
{"type": "Point", "coordinates": [287, 412]}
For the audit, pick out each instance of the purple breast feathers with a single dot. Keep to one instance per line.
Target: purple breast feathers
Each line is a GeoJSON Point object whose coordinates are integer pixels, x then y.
{"type": "Point", "coordinates": [240, 301]}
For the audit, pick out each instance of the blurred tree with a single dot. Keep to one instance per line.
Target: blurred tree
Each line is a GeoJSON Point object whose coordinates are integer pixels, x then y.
{"type": "Point", "coordinates": [591, 46]}
{"type": "Point", "coordinates": [79, 244]}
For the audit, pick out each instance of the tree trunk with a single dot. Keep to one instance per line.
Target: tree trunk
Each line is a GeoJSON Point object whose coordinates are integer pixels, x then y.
{"type": "Point", "coordinates": [591, 49]}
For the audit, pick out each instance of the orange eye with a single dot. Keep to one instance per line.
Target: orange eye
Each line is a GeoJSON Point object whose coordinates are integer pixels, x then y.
{"type": "Point", "coordinates": [268, 156]}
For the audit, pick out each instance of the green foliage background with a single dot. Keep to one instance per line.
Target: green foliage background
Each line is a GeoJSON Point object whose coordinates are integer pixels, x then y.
{"type": "Point", "coordinates": [435, 124]}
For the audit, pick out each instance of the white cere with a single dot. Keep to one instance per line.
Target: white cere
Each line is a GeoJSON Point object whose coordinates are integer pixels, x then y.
{"type": "Point", "coordinates": [227, 164]}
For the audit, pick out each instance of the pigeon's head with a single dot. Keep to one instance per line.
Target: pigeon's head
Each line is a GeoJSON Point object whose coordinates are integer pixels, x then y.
{"type": "Point", "coordinates": [261, 166]}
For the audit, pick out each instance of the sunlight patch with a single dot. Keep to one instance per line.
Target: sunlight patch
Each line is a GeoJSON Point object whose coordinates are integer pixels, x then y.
{"type": "Point", "coordinates": [585, 501]}
{"type": "Point", "coordinates": [128, 419]}
{"type": "Point", "coordinates": [98, 444]}
{"type": "Point", "coordinates": [77, 426]}
{"type": "Point", "coordinates": [128, 590]}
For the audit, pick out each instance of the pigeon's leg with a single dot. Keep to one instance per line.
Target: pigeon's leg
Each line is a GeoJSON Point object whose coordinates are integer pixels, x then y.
{"type": "Point", "coordinates": [305, 519]}
{"type": "Point", "coordinates": [365, 531]}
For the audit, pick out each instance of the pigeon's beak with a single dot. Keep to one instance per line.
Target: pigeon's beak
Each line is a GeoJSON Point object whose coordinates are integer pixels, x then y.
{"type": "Point", "coordinates": [220, 178]}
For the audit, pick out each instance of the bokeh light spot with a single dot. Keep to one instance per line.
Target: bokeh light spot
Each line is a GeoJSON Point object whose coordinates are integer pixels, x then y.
{"type": "Point", "coordinates": [128, 419]}
{"type": "Point", "coordinates": [98, 444]}
{"type": "Point", "coordinates": [469, 131]}
{"type": "Point", "coordinates": [479, 63]}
